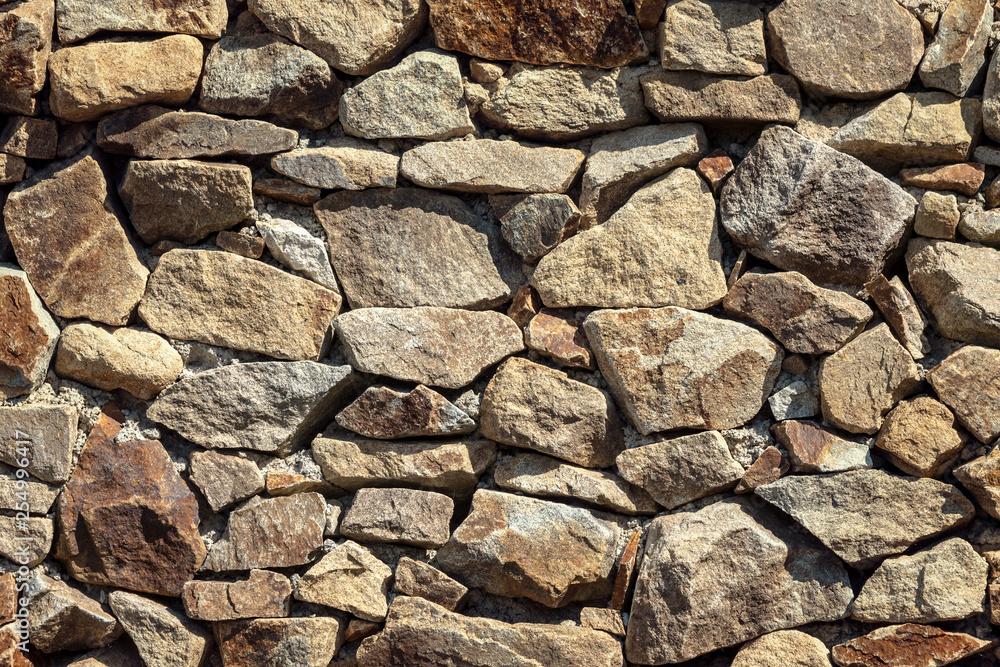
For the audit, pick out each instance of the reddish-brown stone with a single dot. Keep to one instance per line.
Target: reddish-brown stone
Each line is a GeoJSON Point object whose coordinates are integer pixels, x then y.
{"type": "Point", "coordinates": [626, 565]}
{"type": "Point", "coordinates": [597, 33]}
{"type": "Point", "coordinates": [558, 333]}
{"type": "Point", "coordinates": [27, 335]}
{"type": "Point", "coordinates": [962, 178]}
{"type": "Point", "coordinates": [649, 12]}
{"type": "Point", "coordinates": [241, 244]}
{"type": "Point", "coordinates": [265, 595]}
{"type": "Point", "coordinates": [993, 592]}
{"type": "Point", "coordinates": [284, 189]}
{"type": "Point", "coordinates": [525, 306]}
{"type": "Point", "coordinates": [908, 645]}
{"type": "Point", "coordinates": [10, 655]}
{"type": "Point", "coordinates": [126, 518]}
{"type": "Point", "coordinates": [8, 598]}
{"type": "Point", "coordinates": [715, 169]}
{"type": "Point", "coordinates": [768, 467]}
{"type": "Point", "coordinates": [386, 414]}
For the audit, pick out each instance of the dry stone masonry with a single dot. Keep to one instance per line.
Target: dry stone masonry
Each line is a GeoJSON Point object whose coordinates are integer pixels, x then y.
{"type": "Point", "coordinates": [499, 333]}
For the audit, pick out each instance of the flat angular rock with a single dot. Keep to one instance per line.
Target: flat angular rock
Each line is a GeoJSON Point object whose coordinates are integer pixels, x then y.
{"type": "Point", "coordinates": [277, 532]}
{"type": "Point", "coordinates": [295, 247]}
{"type": "Point", "coordinates": [286, 190]}
{"type": "Point", "coordinates": [449, 467]}
{"type": "Point", "coordinates": [539, 408]}
{"type": "Point", "coordinates": [356, 37]}
{"type": "Point", "coordinates": [414, 624]}
{"type": "Point", "coordinates": [598, 33]}
{"type": "Point", "coordinates": [558, 334]}
{"type": "Point", "coordinates": [900, 310]}
{"type": "Point", "coordinates": [349, 578]}
{"type": "Point", "coordinates": [692, 96]}
{"type": "Point", "coordinates": [620, 163]}
{"type": "Point", "coordinates": [543, 476]}
{"type": "Point", "coordinates": [191, 297]}
{"type": "Point", "coordinates": [118, 493]}
{"type": "Point", "coordinates": [964, 178]}
{"type": "Point", "coordinates": [139, 362]}
{"type": "Point", "coordinates": [538, 224]}
{"type": "Point", "coordinates": [787, 647]}
{"type": "Point", "coordinates": [225, 479]}
{"type": "Point", "coordinates": [767, 468]}
{"type": "Point", "coordinates": [523, 547]}
{"type": "Point", "coordinates": [387, 414]}
{"type": "Point", "coordinates": [41, 497]}
{"type": "Point", "coordinates": [24, 54]}
{"type": "Point", "coordinates": [700, 566]}
{"type": "Point", "coordinates": [805, 318]}
{"type": "Point", "coordinates": [156, 132]}
{"type": "Point", "coordinates": [49, 433]}
{"type": "Point", "coordinates": [79, 19]}
{"type": "Point", "coordinates": [386, 246]}
{"type": "Point", "coordinates": [677, 471]}
{"type": "Point", "coordinates": [714, 37]}
{"type": "Point", "coordinates": [956, 283]}
{"type": "Point", "coordinates": [564, 103]}
{"type": "Point", "coordinates": [350, 167]}
{"type": "Point", "coordinates": [8, 598]}
{"type": "Point", "coordinates": [420, 98]}
{"type": "Point", "coordinates": [30, 335]}
{"type": "Point", "coordinates": [980, 477]}
{"type": "Point", "coordinates": [32, 138]}
{"type": "Point", "coordinates": [779, 205]}
{"type": "Point", "coordinates": [796, 401]}
{"type": "Point", "coordinates": [439, 347]}
{"type": "Point", "coordinates": [813, 449]}
{"type": "Point", "coordinates": [399, 516]}
{"type": "Point", "coordinates": [715, 168]}
{"type": "Point", "coordinates": [164, 637]}
{"type": "Point", "coordinates": [674, 368]}
{"type": "Point", "coordinates": [920, 437]}
{"type": "Point", "coordinates": [968, 382]}
{"type": "Point", "coordinates": [264, 595]}
{"type": "Point", "coordinates": [958, 51]}
{"type": "Point", "coordinates": [91, 80]}
{"type": "Point", "coordinates": [911, 645]}
{"type": "Point", "coordinates": [62, 618]}
{"type": "Point", "coordinates": [865, 515]}
{"type": "Point", "coordinates": [309, 642]}
{"type": "Point", "coordinates": [262, 74]}
{"type": "Point", "coordinates": [943, 583]}
{"type": "Point", "coordinates": [423, 581]}
{"type": "Point", "coordinates": [803, 33]}
{"type": "Point", "coordinates": [278, 406]}
{"type": "Point", "coordinates": [660, 249]}
{"type": "Point", "coordinates": [89, 268]}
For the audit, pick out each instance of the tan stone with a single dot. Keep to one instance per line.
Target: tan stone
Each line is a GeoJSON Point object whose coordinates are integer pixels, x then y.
{"type": "Point", "coordinates": [163, 636]}
{"type": "Point", "coordinates": [309, 642]}
{"type": "Point", "coordinates": [958, 52]}
{"type": "Point", "coordinates": [24, 53]}
{"type": "Point", "coordinates": [61, 618]}
{"type": "Point", "coordinates": [287, 191]}
{"type": "Point", "coordinates": [30, 335]}
{"type": "Point", "coordinates": [26, 543]}
{"type": "Point", "coordinates": [919, 437]}
{"type": "Point", "coordinates": [343, 165]}
{"type": "Point", "coordinates": [8, 598]}
{"type": "Point", "coordinates": [349, 578]}
{"type": "Point", "coordinates": [386, 414]}
{"type": "Point", "coordinates": [812, 449]}
{"type": "Point", "coordinates": [264, 595]}
{"type": "Point", "coordinates": [48, 432]}
{"type": "Point", "coordinates": [968, 382]}
{"type": "Point", "coordinates": [423, 581]}
{"type": "Point", "coordinates": [900, 310]}
{"type": "Point", "coordinates": [785, 647]}
{"type": "Point", "coordinates": [980, 477]}
{"type": "Point", "coordinates": [11, 169]}
{"type": "Point", "coordinates": [399, 516]}
{"type": "Point", "coordinates": [243, 245]}
{"type": "Point", "coordinates": [713, 36]}
{"type": "Point", "coordinates": [79, 19]}
{"type": "Point", "coordinates": [225, 479]}
{"type": "Point", "coordinates": [675, 97]}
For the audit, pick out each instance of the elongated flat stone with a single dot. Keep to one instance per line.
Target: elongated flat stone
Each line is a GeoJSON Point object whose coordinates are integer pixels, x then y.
{"type": "Point", "coordinates": [265, 594]}
{"type": "Point", "coordinates": [344, 165]}
{"type": "Point", "coordinates": [909, 644]}
{"type": "Point", "coordinates": [675, 97]}
{"type": "Point", "coordinates": [399, 516]}
{"type": "Point", "coordinates": [386, 414]}
{"type": "Point", "coordinates": [79, 19]}
{"type": "Point", "coordinates": [30, 335]}
{"type": "Point", "coordinates": [263, 642]}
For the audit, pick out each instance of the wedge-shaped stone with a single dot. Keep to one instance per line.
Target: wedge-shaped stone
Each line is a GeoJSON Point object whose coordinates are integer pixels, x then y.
{"type": "Point", "coordinates": [407, 247]}
{"type": "Point", "coordinates": [812, 449]}
{"type": "Point", "coordinates": [79, 19]}
{"type": "Point", "coordinates": [558, 333]}
{"type": "Point", "coordinates": [449, 467]}
{"type": "Point", "coordinates": [539, 408]}
{"type": "Point", "coordinates": [674, 368]}
{"type": "Point", "coordinates": [30, 335]}
{"type": "Point", "coordinates": [660, 249]}
{"type": "Point", "coordinates": [47, 431]}
{"type": "Point", "coordinates": [524, 547]}
{"type": "Point", "coordinates": [225, 479]}
{"type": "Point", "coordinates": [968, 382]}
{"type": "Point", "coordinates": [223, 299]}
{"type": "Point", "coordinates": [909, 644]}
{"type": "Point", "coordinates": [156, 132]}
{"type": "Point", "coordinates": [164, 637]}
{"type": "Point", "coordinates": [421, 580]}
{"type": "Point", "coordinates": [268, 642]}
{"type": "Point", "coordinates": [349, 578]}
{"type": "Point", "coordinates": [900, 310]}
{"type": "Point", "coordinates": [414, 624]}
{"type": "Point", "coordinates": [725, 574]}
{"type": "Point", "coordinates": [91, 80]}
{"type": "Point", "coordinates": [805, 207]}
{"type": "Point", "coordinates": [401, 516]}
{"type": "Point", "coordinates": [387, 414]}
{"type": "Point", "coordinates": [24, 54]}
{"type": "Point", "coordinates": [865, 515]}
{"type": "Point", "coordinates": [692, 96]}
{"type": "Point", "coordinates": [344, 165]}
{"type": "Point", "coordinates": [958, 52]}
{"type": "Point", "coordinates": [713, 36]}
{"type": "Point", "coordinates": [296, 247]}
{"type": "Point", "coordinates": [62, 618]}
{"type": "Point", "coordinates": [440, 347]}
{"type": "Point", "coordinates": [264, 595]}
{"type": "Point", "coordinates": [88, 268]}
{"type": "Point", "coordinates": [980, 477]}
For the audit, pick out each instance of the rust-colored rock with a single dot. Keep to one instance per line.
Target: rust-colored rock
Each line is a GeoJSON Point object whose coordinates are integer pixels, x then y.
{"type": "Point", "coordinates": [715, 168]}
{"type": "Point", "coordinates": [626, 566]}
{"type": "Point", "coordinates": [264, 595]}
{"type": "Point", "coordinates": [525, 306]}
{"type": "Point", "coordinates": [8, 598]}
{"type": "Point", "coordinates": [28, 337]}
{"type": "Point", "coordinates": [558, 334]}
{"type": "Point", "coordinates": [126, 517]}
{"type": "Point", "coordinates": [962, 178]}
{"type": "Point", "coordinates": [386, 414]}
{"type": "Point", "coordinates": [304, 642]}
{"type": "Point", "coordinates": [920, 437]}
{"type": "Point", "coordinates": [813, 449]}
{"type": "Point", "coordinates": [908, 645]}
{"type": "Point", "coordinates": [10, 654]}
{"type": "Point", "coordinates": [768, 467]}
{"type": "Point", "coordinates": [597, 33]}
{"type": "Point", "coordinates": [901, 311]}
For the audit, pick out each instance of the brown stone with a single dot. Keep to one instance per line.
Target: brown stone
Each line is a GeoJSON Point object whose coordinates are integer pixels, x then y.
{"type": "Point", "coordinates": [73, 138]}
{"type": "Point", "coordinates": [349, 578]}
{"type": "Point", "coordinates": [287, 190]}
{"type": "Point", "coordinates": [88, 268]}
{"type": "Point", "coordinates": [962, 178]}
{"type": "Point", "coordinates": [30, 335]}
{"type": "Point", "coordinates": [968, 382]}
{"type": "Point", "coordinates": [11, 171]}
{"type": "Point", "coordinates": [287, 483]}
{"type": "Point", "coordinates": [993, 595]}
{"type": "Point", "coordinates": [649, 12]}
{"type": "Point", "coordinates": [715, 168]}
{"type": "Point", "coordinates": [225, 479]}
{"type": "Point", "coordinates": [386, 414]}
{"type": "Point", "coordinates": [624, 571]}
{"type": "Point", "coordinates": [10, 654]}
{"type": "Point", "coordinates": [126, 517]}
{"type": "Point", "coordinates": [403, 516]}
{"type": "Point", "coordinates": [423, 581]}
{"type": "Point", "coordinates": [900, 310]}
{"type": "Point", "coordinates": [264, 595]}
{"type": "Point", "coordinates": [61, 618]}
{"type": "Point", "coordinates": [982, 478]}
{"type": "Point", "coordinates": [597, 33]}
{"type": "Point", "coordinates": [908, 645]}
{"type": "Point", "coordinates": [358, 629]}
{"type": "Point", "coordinates": [32, 138]}
{"type": "Point", "coordinates": [919, 437]}
{"type": "Point", "coordinates": [305, 642]}
{"type": "Point", "coordinates": [558, 334]}
{"type": "Point", "coordinates": [8, 598]}
{"type": "Point", "coordinates": [25, 45]}
{"type": "Point", "coordinates": [768, 467]}
{"type": "Point", "coordinates": [812, 449]}
{"type": "Point", "coordinates": [79, 19]}
{"type": "Point", "coordinates": [243, 245]}
{"type": "Point", "coordinates": [525, 306]}
{"type": "Point", "coordinates": [47, 431]}
{"type": "Point", "coordinates": [675, 97]}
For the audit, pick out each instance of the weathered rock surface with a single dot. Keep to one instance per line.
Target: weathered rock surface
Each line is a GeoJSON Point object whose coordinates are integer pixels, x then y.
{"type": "Point", "coordinates": [692, 96]}
{"type": "Point", "coordinates": [277, 532]}
{"type": "Point", "coordinates": [164, 637]}
{"type": "Point", "coordinates": [309, 642]}
{"type": "Point", "coordinates": [786, 647]}
{"type": "Point", "coordinates": [25, 542]}
{"type": "Point", "coordinates": [285, 190]}
{"type": "Point", "coordinates": [387, 414]}
{"type": "Point", "coordinates": [673, 368]}
{"type": "Point", "coordinates": [10, 650]}
{"type": "Point", "coordinates": [911, 645]}
{"type": "Point", "coordinates": [30, 335]}
{"type": "Point", "coordinates": [89, 268]}
{"type": "Point", "coordinates": [420, 98]}
{"type": "Point", "coordinates": [118, 493]}
{"type": "Point", "coordinates": [139, 362]}
{"type": "Point", "coordinates": [792, 221]}
{"type": "Point", "coordinates": [423, 581]}
{"type": "Point", "coordinates": [225, 479]}
{"type": "Point", "coordinates": [766, 468]}
{"type": "Point", "coordinates": [980, 477]}
{"type": "Point", "coordinates": [489, 166]}
{"type": "Point", "coordinates": [443, 466]}
{"type": "Point", "coordinates": [89, 81]}
{"type": "Point", "coordinates": [725, 574]}
{"type": "Point", "coordinates": [11, 169]}
{"type": "Point", "coordinates": [403, 516]}
{"type": "Point", "coordinates": [264, 595]}
{"type": "Point", "coordinates": [349, 578]}
{"type": "Point", "coordinates": [538, 224]}
{"type": "Point", "coordinates": [79, 19]}
{"type": "Point", "coordinates": [344, 165]}
{"type": "Point", "coordinates": [865, 515]}
{"type": "Point", "coordinates": [958, 51]}
{"type": "Point", "coordinates": [8, 598]}
{"type": "Point", "coordinates": [295, 247]}
{"type": "Point", "coordinates": [515, 546]}
{"type": "Point", "coordinates": [964, 178]}
{"type": "Point", "coordinates": [33, 138]}
{"type": "Point", "coordinates": [407, 247]}
{"type": "Point", "coordinates": [968, 382]}
{"type": "Point", "coordinates": [558, 334]}
{"type": "Point", "coordinates": [900, 310]}
{"type": "Point", "coordinates": [24, 53]}
{"type": "Point", "coordinates": [191, 296]}
{"type": "Point", "coordinates": [440, 347]}
{"type": "Point", "coordinates": [920, 438]}
{"type": "Point", "coordinates": [48, 431]}
{"type": "Point", "coordinates": [61, 618]}
{"type": "Point", "coordinates": [414, 624]}
{"type": "Point", "coordinates": [796, 401]}
{"type": "Point", "coordinates": [660, 249]}
{"type": "Point", "coordinates": [943, 583]}
{"type": "Point", "coordinates": [812, 449]}
{"type": "Point", "coordinates": [713, 36]}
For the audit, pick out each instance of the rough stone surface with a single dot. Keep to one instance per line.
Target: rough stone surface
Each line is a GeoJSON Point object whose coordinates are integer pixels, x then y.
{"type": "Point", "coordinates": [264, 595]}
{"type": "Point", "coordinates": [225, 479]}
{"type": "Point", "coordinates": [299, 250]}
{"type": "Point", "coordinates": [796, 401]}
{"type": "Point", "coordinates": [163, 636]}
{"type": "Point", "coordinates": [968, 382]}
{"type": "Point", "coordinates": [725, 574]}
{"type": "Point", "coordinates": [8, 598]}
{"type": "Point", "coordinates": [911, 645]}
{"type": "Point", "coordinates": [403, 516]}
{"type": "Point", "coordinates": [29, 334]}
{"type": "Point", "coordinates": [713, 36]}
{"type": "Point", "coordinates": [285, 190]}
{"type": "Point", "coordinates": [349, 578]}
{"type": "Point", "coordinates": [387, 414]}
{"type": "Point", "coordinates": [834, 221]}
{"type": "Point", "coordinates": [660, 249]}
{"type": "Point", "coordinates": [920, 437]}
{"type": "Point", "coordinates": [351, 166]}
{"type": "Point", "coordinates": [275, 642]}
{"type": "Point", "coordinates": [964, 178]}
{"type": "Point", "coordinates": [24, 54]}
{"type": "Point", "coordinates": [25, 542]}
{"type": "Point", "coordinates": [243, 245]}
{"type": "Point", "coordinates": [785, 647]}
{"type": "Point", "coordinates": [937, 217]}
{"type": "Point", "coordinates": [48, 431]}
{"type": "Point", "coordinates": [79, 19]}
{"type": "Point", "coordinates": [32, 138]}
{"type": "Point", "coordinates": [673, 368]}
{"type": "Point", "coordinates": [191, 296]}
{"type": "Point", "coordinates": [88, 268]}
{"type": "Point", "coordinates": [813, 449]}
{"type": "Point", "coordinates": [439, 347]}
{"type": "Point", "coordinates": [523, 547]}
{"type": "Point", "coordinates": [767, 468]}
{"type": "Point", "coordinates": [423, 581]}
{"type": "Point", "coordinates": [900, 310]}
{"type": "Point", "coordinates": [958, 52]}
{"type": "Point", "coordinates": [11, 169]}
{"type": "Point", "coordinates": [865, 515]}
{"type": "Point", "coordinates": [692, 96]}
{"type": "Point", "coordinates": [558, 333]}
{"type": "Point", "coordinates": [538, 224]}
{"type": "Point", "coordinates": [61, 618]}
{"type": "Point", "coordinates": [980, 477]}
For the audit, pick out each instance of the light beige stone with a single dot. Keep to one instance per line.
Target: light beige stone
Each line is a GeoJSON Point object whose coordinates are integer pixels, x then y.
{"type": "Point", "coordinates": [350, 166]}
{"type": "Point", "coordinates": [349, 578]}
{"type": "Point", "coordinates": [713, 36]}
{"type": "Point", "coordinates": [968, 382]}
{"type": "Point", "coordinates": [164, 637]}
{"type": "Point", "coordinates": [920, 437]}
{"type": "Point", "coordinates": [958, 52]}
{"type": "Point", "coordinates": [791, 648]}
{"type": "Point", "coordinates": [79, 19]}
